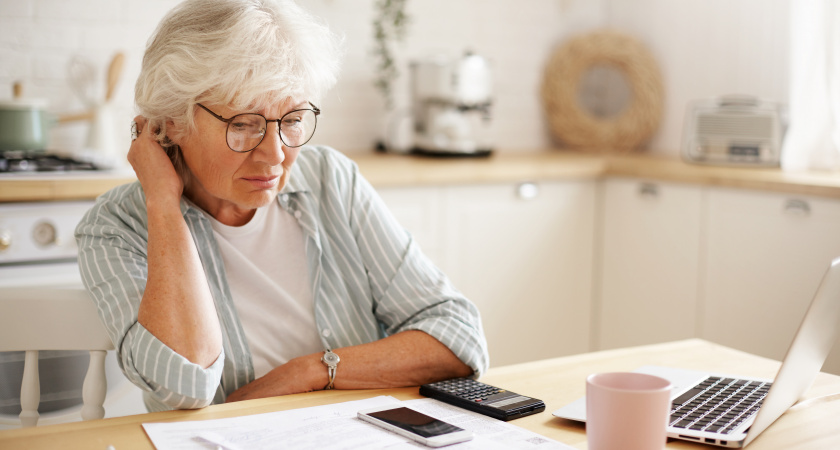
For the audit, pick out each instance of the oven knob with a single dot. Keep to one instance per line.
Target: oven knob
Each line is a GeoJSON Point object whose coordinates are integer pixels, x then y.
{"type": "Point", "coordinates": [5, 240]}
{"type": "Point", "coordinates": [45, 234]}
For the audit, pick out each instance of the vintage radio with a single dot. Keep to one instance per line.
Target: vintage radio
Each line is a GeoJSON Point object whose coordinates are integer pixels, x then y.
{"type": "Point", "coordinates": [733, 130]}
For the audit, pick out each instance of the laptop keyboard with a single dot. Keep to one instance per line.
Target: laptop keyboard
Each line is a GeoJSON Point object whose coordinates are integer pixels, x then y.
{"type": "Point", "coordinates": [718, 405]}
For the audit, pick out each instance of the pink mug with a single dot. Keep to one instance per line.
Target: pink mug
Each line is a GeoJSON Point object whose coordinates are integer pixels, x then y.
{"type": "Point", "coordinates": [627, 411]}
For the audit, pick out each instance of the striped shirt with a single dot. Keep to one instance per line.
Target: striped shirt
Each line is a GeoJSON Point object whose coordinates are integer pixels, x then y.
{"type": "Point", "coordinates": [369, 280]}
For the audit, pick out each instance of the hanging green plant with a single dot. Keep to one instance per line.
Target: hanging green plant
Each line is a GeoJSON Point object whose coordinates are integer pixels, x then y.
{"type": "Point", "coordinates": [389, 27]}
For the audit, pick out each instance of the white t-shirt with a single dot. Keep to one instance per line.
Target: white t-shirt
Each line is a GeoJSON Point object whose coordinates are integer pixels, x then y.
{"type": "Point", "coordinates": [266, 269]}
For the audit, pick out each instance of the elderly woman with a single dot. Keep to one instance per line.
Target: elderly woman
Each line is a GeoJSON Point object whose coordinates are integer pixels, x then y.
{"type": "Point", "coordinates": [242, 263]}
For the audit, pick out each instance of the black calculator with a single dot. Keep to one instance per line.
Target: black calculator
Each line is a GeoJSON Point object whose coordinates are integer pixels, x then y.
{"type": "Point", "coordinates": [483, 398]}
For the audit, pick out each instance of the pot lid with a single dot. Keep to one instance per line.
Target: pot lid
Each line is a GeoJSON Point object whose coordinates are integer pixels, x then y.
{"type": "Point", "coordinates": [19, 102]}
{"type": "Point", "coordinates": [23, 104]}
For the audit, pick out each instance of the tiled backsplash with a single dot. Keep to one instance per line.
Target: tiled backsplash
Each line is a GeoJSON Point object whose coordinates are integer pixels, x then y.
{"type": "Point", "coordinates": [38, 38]}
{"type": "Point", "coordinates": [705, 48]}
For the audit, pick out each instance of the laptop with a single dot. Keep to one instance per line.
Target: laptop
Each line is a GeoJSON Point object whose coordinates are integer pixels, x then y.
{"type": "Point", "coordinates": [730, 411]}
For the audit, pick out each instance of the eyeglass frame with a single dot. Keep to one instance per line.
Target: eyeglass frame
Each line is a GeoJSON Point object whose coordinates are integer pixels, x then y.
{"type": "Point", "coordinates": [314, 109]}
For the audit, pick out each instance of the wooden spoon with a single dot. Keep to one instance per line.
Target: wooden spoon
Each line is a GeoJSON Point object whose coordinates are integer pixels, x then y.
{"type": "Point", "coordinates": [114, 72]}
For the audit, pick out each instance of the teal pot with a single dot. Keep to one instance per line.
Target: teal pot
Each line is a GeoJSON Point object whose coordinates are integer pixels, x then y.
{"type": "Point", "coordinates": [24, 125]}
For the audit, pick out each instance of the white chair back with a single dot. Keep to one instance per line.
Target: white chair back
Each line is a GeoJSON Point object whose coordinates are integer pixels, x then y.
{"type": "Point", "coordinates": [54, 318]}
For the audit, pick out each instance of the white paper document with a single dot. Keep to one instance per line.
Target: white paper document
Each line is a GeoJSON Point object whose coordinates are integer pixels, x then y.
{"type": "Point", "coordinates": [336, 426]}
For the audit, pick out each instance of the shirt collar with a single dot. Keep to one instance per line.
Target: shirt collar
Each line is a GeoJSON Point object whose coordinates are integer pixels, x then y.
{"type": "Point", "coordinates": [295, 182]}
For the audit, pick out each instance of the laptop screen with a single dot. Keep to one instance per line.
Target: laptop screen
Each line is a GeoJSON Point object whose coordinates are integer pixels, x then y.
{"type": "Point", "coordinates": [817, 334]}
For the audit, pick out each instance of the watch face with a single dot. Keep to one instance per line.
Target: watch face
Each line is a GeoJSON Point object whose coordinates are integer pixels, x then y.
{"type": "Point", "coordinates": [330, 358]}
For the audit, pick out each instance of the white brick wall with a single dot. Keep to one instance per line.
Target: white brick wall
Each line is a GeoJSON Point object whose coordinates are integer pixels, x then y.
{"type": "Point", "coordinates": [709, 48]}
{"type": "Point", "coordinates": [516, 36]}
{"type": "Point", "coordinates": [705, 48]}
{"type": "Point", "coordinates": [39, 37]}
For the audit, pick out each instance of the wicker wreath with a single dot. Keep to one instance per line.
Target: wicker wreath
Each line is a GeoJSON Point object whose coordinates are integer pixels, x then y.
{"type": "Point", "coordinates": [574, 126]}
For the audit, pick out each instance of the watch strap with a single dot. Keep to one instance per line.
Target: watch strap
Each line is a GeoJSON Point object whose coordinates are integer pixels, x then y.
{"type": "Point", "coordinates": [330, 360]}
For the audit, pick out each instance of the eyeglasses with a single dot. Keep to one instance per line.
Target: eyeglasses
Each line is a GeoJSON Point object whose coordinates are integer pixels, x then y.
{"type": "Point", "coordinates": [246, 131]}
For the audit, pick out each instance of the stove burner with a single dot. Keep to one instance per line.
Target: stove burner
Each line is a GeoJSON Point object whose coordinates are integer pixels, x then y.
{"type": "Point", "coordinates": [18, 161]}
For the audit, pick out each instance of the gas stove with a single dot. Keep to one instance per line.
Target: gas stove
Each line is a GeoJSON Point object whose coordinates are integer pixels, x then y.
{"type": "Point", "coordinates": [38, 233]}
{"type": "Point", "coordinates": [30, 162]}
{"type": "Point", "coordinates": [38, 262]}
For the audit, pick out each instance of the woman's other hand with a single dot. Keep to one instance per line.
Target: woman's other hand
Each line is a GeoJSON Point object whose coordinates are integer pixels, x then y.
{"type": "Point", "coordinates": [408, 358]}
{"type": "Point", "coordinates": [161, 182]}
{"type": "Point", "coordinates": [303, 374]}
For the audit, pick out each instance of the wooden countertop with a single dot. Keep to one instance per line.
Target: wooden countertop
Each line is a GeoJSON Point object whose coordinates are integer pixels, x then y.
{"type": "Point", "coordinates": [390, 170]}
{"type": "Point", "coordinates": [401, 170]}
{"type": "Point", "coordinates": [67, 186]}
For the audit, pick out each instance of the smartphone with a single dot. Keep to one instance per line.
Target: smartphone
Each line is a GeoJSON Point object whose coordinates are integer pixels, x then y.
{"type": "Point", "coordinates": [416, 426]}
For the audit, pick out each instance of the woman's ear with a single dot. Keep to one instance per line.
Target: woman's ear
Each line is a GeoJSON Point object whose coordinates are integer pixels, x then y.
{"type": "Point", "coordinates": [173, 133]}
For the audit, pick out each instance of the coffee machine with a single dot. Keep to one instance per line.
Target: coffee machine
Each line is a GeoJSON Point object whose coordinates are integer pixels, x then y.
{"type": "Point", "coordinates": [451, 101]}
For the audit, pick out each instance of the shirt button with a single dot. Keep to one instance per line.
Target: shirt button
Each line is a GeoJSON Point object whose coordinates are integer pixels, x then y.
{"type": "Point", "coordinates": [297, 214]}
{"type": "Point", "coordinates": [326, 333]}
{"type": "Point", "coordinates": [284, 197]}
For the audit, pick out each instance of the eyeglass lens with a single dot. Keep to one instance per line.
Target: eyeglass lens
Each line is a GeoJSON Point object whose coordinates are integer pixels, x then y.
{"type": "Point", "coordinates": [246, 131]}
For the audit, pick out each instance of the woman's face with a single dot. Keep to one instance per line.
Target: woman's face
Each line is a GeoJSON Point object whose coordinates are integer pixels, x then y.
{"type": "Point", "coordinates": [230, 185]}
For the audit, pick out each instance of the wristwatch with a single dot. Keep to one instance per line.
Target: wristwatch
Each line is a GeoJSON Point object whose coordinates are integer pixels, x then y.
{"type": "Point", "coordinates": [330, 360]}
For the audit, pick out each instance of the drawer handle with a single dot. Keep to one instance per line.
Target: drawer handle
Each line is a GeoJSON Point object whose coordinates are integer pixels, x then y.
{"type": "Point", "coordinates": [5, 240]}
{"type": "Point", "coordinates": [796, 207]}
{"type": "Point", "coordinates": [648, 190]}
{"type": "Point", "coordinates": [528, 190]}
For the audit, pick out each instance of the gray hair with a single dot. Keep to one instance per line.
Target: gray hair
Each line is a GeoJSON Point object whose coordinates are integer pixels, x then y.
{"type": "Point", "coordinates": [240, 53]}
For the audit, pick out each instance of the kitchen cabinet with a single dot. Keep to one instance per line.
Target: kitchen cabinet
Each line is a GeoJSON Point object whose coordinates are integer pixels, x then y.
{"type": "Point", "coordinates": [733, 266]}
{"type": "Point", "coordinates": [649, 262]}
{"type": "Point", "coordinates": [765, 255]}
{"type": "Point", "coordinates": [565, 267]}
{"type": "Point", "coordinates": [419, 210]}
{"type": "Point", "coordinates": [521, 251]}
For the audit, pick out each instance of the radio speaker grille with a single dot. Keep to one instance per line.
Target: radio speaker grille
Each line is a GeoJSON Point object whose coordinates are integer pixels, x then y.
{"type": "Point", "coordinates": [730, 125]}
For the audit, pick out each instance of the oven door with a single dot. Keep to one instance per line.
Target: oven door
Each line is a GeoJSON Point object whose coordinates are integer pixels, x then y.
{"type": "Point", "coordinates": [61, 372]}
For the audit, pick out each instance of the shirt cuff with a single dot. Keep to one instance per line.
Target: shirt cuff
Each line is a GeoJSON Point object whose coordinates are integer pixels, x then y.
{"type": "Point", "coordinates": [168, 376]}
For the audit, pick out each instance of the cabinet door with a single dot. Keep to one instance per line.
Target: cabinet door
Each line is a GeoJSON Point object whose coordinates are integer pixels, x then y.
{"type": "Point", "coordinates": [418, 210]}
{"type": "Point", "coordinates": [765, 257]}
{"type": "Point", "coordinates": [649, 262]}
{"type": "Point", "coordinates": [523, 254]}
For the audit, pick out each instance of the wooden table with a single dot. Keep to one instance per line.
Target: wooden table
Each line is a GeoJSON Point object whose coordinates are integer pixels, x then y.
{"type": "Point", "coordinates": [813, 424]}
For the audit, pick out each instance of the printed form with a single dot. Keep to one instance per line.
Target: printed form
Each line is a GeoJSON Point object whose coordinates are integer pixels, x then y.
{"type": "Point", "coordinates": [337, 427]}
